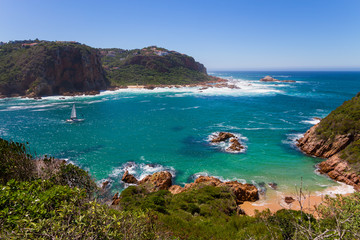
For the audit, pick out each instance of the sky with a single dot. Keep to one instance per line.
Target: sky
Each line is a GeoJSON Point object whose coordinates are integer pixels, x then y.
{"type": "Point", "coordinates": [222, 34]}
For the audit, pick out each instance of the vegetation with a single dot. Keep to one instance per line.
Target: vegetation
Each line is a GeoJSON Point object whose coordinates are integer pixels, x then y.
{"type": "Point", "coordinates": [151, 65]}
{"type": "Point", "coordinates": [344, 120]}
{"type": "Point", "coordinates": [48, 199]}
{"type": "Point", "coordinates": [23, 67]}
{"type": "Point", "coordinates": [30, 67]}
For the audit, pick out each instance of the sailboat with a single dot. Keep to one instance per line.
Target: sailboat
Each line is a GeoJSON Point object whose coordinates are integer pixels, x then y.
{"type": "Point", "coordinates": [73, 117]}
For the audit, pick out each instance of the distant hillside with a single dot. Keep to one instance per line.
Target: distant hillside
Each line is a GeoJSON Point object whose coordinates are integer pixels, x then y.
{"type": "Point", "coordinates": [151, 65]}
{"type": "Point", "coordinates": [37, 68]}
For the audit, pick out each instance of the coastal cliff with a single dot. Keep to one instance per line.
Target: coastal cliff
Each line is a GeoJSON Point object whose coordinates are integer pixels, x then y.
{"type": "Point", "coordinates": [36, 68]}
{"type": "Point", "coordinates": [50, 68]}
{"type": "Point", "coordinates": [337, 137]}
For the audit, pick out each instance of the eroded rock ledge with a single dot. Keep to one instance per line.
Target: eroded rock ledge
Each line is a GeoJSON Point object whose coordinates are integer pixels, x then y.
{"type": "Point", "coordinates": [163, 181]}
{"type": "Point", "coordinates": [335, 167]}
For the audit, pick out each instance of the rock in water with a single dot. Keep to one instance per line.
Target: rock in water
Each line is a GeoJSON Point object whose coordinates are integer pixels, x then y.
{"type": "Point", "coordinates": [235, 146]}
{"type": "Point", "coordinates": [268, 79]}
{"type": "Point", "coordinates": [128, 178]}
{"type": "Point", "coordinates": [222, 136]}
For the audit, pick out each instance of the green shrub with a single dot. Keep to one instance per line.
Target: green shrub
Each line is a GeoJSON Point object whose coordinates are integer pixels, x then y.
{"type": "Point", "coordinates": [15, 162]}
{"type": "Point", "coordinates": [42, 210]}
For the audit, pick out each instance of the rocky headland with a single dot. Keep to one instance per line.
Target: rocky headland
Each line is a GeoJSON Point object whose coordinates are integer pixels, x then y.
{"type": "Point", "coordinates": [337, 138]}
{"type": "Point", "coordinates": [44, 68]}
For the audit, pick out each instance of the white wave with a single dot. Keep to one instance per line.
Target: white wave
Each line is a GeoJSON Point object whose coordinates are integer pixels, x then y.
{"type": "Point", "coordinates": [140, 170]}
{"type": "Point", "coordinates": [312, 121]}
{"type": "Point", "coordinates": [224, 145]}
{"type": "Point", "coordinates": [187, 108]}
{"type": "Point", "coordinates": [30, 106]}
{"type": "Point", "coordinates": [291, 139]}
{"type": "Point", "coordinates": [342, 188]}
{"type": "Point", "coordinates": [206, 174]}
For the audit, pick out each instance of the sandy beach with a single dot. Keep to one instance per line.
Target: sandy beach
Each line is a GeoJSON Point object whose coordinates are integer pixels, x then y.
{"type": "Point", "coordinates": [308, 201]}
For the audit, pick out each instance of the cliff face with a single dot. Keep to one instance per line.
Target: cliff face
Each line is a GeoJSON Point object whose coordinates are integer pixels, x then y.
{"type": "Point", "coordinates": [51, 69]}
{"type": "Point", "coordinates": [337, 137]}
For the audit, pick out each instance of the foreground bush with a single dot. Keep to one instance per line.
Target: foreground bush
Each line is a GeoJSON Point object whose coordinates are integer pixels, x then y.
{"type": "Point", "coordinates": [42, 210]}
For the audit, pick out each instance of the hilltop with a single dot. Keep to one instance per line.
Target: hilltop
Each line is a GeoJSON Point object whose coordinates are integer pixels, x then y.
{"type": "Point", "coordinates": [38, 68]}
{"type": "Point", "coordinates": [151, 65]}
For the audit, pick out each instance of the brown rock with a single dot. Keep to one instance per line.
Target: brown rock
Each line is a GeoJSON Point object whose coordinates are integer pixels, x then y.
{"type": "Point", "coordinates": [157, 181]}
{"type": "Point", "coordinates": [271, 79]}
{"type": "Point", "coordinates": [104, 184]}
{"type": "Point", "coordinates": [116, 199]}
{"type": "Point", "coordinates": [268, 79]}
{"type": "Point", "coordinates": [289, 200]}
{"type": "Point", "coordinates": [312, 144]}
{"type": "Point", "coordinates": [273, 185]}
{"type": "Point", "coordinates": [175, 189]}
{"type": "Point", "coordinates": [235, 146]}
{"type": "Point", "coordinates": [222, 136]}
{"type": "Point", "coordinates": [128, 178]}
{"type": "Point", "coordinates": [243, 192]}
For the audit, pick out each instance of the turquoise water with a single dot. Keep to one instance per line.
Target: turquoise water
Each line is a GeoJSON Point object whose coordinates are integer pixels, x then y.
{"type": "Point", "coordinates": [151, 130]}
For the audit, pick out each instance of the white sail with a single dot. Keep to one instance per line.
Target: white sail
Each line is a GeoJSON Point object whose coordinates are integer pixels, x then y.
{"type": "Point", "coordinates": [73, 112]}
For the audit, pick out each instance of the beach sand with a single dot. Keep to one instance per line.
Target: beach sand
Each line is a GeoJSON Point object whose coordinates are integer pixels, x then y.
{"type": "Point", "coordinates": [275, 200]}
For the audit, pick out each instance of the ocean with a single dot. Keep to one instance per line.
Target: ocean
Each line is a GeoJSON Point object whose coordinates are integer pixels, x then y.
{"type": "Point", "coordinates": [146, 131]}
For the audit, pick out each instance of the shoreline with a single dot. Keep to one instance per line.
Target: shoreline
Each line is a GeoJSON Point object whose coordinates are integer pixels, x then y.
{"type": "Point", "coordinates": [215, 82]}
{"type": "Point", "coordinates": [275, 200]}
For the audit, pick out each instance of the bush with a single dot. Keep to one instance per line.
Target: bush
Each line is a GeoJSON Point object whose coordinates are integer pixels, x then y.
{"type": "Point", "coordinates": [15, 162]}
{"type": "Point", "coordinates": [42, 210]}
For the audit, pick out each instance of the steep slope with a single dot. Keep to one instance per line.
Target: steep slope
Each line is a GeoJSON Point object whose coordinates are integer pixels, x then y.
{"type": "Point", "coordinates": [49, 68]}
{"type": "Point", "coordinates": [151, 65]}
{"type": "Point", "coordinates": [337, 137]}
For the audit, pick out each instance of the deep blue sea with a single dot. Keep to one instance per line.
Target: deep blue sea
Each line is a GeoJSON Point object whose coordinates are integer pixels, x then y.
{"type": "Point", "coordinates": [146, 131]}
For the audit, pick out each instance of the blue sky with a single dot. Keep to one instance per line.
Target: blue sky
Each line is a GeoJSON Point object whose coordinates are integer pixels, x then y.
{"type": "Point", "coordinates": [223, 35]}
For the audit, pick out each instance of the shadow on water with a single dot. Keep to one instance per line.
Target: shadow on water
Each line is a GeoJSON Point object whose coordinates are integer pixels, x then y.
{"type": "Point", "coordinates": [195, 147]}
{"type": "Point", "coordinates": [177, 128]}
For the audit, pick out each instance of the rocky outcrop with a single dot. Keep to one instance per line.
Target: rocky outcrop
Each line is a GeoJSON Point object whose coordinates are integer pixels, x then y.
{"type": "Point", "coordinates": [157, 181]}
{"type": "Point", "coordinates": [129, 178]}
{"type": "Point", "coordinates": [339, 170]}
{"type": "Point", "coordinates": [235, 146]}
{"type": "Point", "coordinates": [222, 136]}
{"type": "Point", "coordinates": [242, 192]}
{"type": "Point", "coordinates": [271, 79]}
{"type": "Point", "coordinates": [314, 145]}
{"type": "Point", "coordinates": [335, 167]}
{"type": "Point", "coordinates": [163, 181]}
